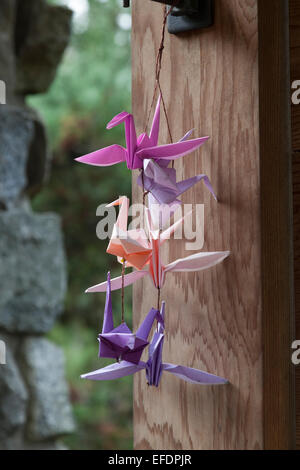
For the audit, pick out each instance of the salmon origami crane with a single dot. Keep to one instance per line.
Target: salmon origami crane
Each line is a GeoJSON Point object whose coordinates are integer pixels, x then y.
{"type": "Point", "coordinates": [141, 148]}
{"type": "Point", "coordinates": [120, 343]}
{"type": "Point", "coordinates": [142, 251]}
{"type": "Point", "coordinates": [154, 367]}
{"type": "Point", "coordinates": [135, 246]}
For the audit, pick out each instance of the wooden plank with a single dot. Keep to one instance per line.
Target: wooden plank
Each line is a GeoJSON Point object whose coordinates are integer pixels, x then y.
{"type": "Point", "coordinates": [295, 66]}
{"type": "Point", "coordinates": [276, 229]}
{"type": "Point", "coordinates": [214, 319]}
{"type": "Point", "coordinates": [296, 181]}
{"type": "Point", "coordinates": [295, 75]}
{"type": "Point", "coordinates": [237, 319]}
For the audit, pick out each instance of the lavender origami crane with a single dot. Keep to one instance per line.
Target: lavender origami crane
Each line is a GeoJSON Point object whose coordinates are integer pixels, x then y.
{"type": "Point", "coordinates": [120, 343]}
{"type": "Point", "coordinates": [143, 147]}
{"type": "Point", "coordinates": [161, 182]}
{"type": "Point", "coordinates": [154, 367]}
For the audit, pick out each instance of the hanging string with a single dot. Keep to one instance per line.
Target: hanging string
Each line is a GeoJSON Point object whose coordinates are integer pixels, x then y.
{"type": "Point", "coordinates": [158, 298]}
{"type": "Point", "coordinates": [158, 66]}
{"type": "Point", "coordinates": [158, 70]}
{"type": "Point", "coordinates": [144, 200]}
{"type": "Point", "coordinates": [159, 233]}
{"type": "Point", "coordinates": [122, 291]}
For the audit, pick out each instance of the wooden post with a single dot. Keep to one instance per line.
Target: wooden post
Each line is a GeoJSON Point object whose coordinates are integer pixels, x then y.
{"type": "Point", "coordinates": [295, 75]}
{"type": "Point", "coordinates": [235, 320]}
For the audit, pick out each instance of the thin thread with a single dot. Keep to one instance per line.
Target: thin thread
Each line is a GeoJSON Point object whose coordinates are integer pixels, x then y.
{"type": "Point", "coordinates": [158, 298]}
{"type": "Point", "coordinates": [158, 70]}
{"type": "Point", "coordinates": [122, 292]}
{"type": "Point", "coordinates": [145, 193]}
{"type": "Point", "coordinates": [158, 66]}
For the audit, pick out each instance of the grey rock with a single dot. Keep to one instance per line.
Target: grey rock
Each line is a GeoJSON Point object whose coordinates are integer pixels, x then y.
{"type": "Point", "coordinates": [13, 397]}
{"type": "Point", "coordinates": [32, 271]}
{"type": "Point", "coordinates": [16, 441]}
{"type": "Point", "coordinates": [50, 411]}
{"type": "Point", "coordinates": [39, 157]}
{"type": "Point", "coordinates": [43, 32]}
{"type": "Point", "coordinates": [16, 132]}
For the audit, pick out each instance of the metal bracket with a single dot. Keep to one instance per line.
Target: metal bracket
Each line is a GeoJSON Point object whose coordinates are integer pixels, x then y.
{"type": "Point", "coordinates": [188, 15]}
{"type": "Point", "coordinates": [187, 19]}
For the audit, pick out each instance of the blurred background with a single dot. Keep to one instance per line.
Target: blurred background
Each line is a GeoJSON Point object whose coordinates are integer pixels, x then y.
{"type": "Point", "coordinates": [90, 83]}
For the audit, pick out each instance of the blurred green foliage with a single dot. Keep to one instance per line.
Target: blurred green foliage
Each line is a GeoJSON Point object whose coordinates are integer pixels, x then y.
{"type": "Point", "coordinates": [92, 85]}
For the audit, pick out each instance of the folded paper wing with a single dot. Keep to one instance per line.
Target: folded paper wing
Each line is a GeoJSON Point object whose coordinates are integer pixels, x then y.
{"type": "Point", "coordinates": [171, 151]}
{"type": "Point", "coordinates": [105, 157]}
{"type": "Point", "coordinates": [197, 262]}
{"type": "Point", "coordinates": [116, 283]}
{"type": "Point", "coordinates": [115, 371]}
{"type": "Point", "coordinates": [193, 376]}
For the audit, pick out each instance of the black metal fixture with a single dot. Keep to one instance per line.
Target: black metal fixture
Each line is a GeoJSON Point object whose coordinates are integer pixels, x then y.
{"type": "Point", "coordinates": [187, 15]}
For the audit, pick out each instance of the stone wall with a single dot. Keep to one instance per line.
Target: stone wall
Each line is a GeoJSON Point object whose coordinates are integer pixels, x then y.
{"type": "Point", "coordinates": [34, 404]}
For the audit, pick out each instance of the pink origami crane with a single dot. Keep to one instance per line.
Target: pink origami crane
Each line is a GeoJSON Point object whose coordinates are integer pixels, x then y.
{"type": "Point", "coordinates": [120, 343]}
{"type": "Point", "coordinates": [154, 367]}
{"type": "Point", "coordinates": [156, 270]}
{"type": "Point", "coordinates": [143, 147]}
{"type": "Point", "coordinates": [134, 246]}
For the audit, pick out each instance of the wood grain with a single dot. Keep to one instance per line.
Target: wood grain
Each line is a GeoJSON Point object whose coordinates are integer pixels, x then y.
{"type": "Point", "coordinates": [214, 319]}
{"type": "Point", "coordinates": [295, 75]}
{"type": "Point", "coordinates": [296, 184]}
{"type": "Point", "coordinates": [276, 227]}
{"type": "Point", "coordinates": [295, 66]}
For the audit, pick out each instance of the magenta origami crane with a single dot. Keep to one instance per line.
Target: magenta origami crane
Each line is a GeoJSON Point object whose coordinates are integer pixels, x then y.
{"type": "Point", "coordinates": [154, 367]}
{"type": "Point", "coordinates": [120, 343]}
{"type": "Point", "coordinates": [143, 147]}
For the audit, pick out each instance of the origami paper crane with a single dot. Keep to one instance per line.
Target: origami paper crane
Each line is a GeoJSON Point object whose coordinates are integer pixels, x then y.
{"type": "Point", "coordinates": [154, 367]}
{"type": "Point", "coordinates": [143, 147]}
{"type": "Point", "coordinates": [160, 181]}
{"type": "Point", "coordinates": [156, 270]}
{"type": "Point", "coordinates": [135, 246]}
{"type": "Point", "coordinates": [120, 343]}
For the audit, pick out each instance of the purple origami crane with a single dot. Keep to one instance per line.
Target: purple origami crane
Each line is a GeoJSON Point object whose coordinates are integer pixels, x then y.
{"type": "Point", "coordinates": [120, 343]}
{"type": "Point", "coordinates": [141, 148]}
{"type": "Point", "coordinates": [161, 182]}
{"type": "Point", "coordinates": [154, 367]}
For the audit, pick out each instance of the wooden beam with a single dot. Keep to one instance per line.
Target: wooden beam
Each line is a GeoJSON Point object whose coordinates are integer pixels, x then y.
{"type": "Point", "coordinates": [295, 66]}
{"type": "Point", "coordinates": [295, 75]}
{"type": "Point", "coordinates": [276, 224]}
{"type": "Point", "coordinates": [215, 319]}
{"type": "Point", "coordinates": [296, 181]}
